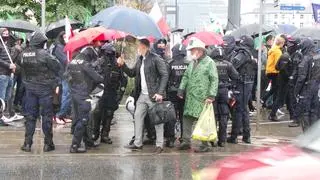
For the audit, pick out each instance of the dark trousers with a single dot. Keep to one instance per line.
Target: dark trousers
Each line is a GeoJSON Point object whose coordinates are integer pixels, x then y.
{"type": "Point", "coordinates": [242, 94]}
{"type": "Point", "coordinates": [222, 113]}
{"type": "Point", "coordinates": [81, 109]}
{"type": "Point", "coordinates": [178, 105]}
{"type": "Point", "coordinates": [281, 95]}
{"type": "Point", "coordinates": [102, 116]}
{"type": "Point", "coordinates": [291, 100]}
{"type": "Point", "coordinates": [39, 100]}
{"type": "Point", "coordinates": [274, 87]}
{"type": "Point", "coordinates": [308, 105]}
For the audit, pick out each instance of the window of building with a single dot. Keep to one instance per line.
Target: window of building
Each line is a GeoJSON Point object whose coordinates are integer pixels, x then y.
{"type": "Point", "coordinates": [283, 16]}
{"type": "Point", "coordinates": [301, 16]}
{"type": "Point", "coordinates": [301, 25]}
{"type": "Point", "coordinates": [283, 22]}
{"type": "Point", "coordinates": [276, 16]}
{"type": "Point", "coordinates": [275, 22]}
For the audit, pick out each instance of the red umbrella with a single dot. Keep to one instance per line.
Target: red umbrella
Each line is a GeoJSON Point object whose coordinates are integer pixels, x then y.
{"type": "Point", "coordinates": [87, 36]}
{"type": "Point", "coordinates": [209, 38]}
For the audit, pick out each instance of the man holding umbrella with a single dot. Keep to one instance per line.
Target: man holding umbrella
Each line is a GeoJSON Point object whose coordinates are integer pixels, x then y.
{"type": "Point", "coordinates": [151, 80]}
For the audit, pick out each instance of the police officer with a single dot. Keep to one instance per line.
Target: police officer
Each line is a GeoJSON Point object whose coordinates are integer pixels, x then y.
{"type": "Point", "coordinates": [229, 47]}
{"type": "Point", "coordinates": [82, 79]}
{"type": "Point", "coordinates": [178, 66]}
{"type": "Point", "coordinates": [226, 72]}
{"type": "Point", "coordinates": [296, 58]}
{"type": "Point", "coordinates": [115, 82]}
{"type": "Point", "coordinates": [40, 78]}
{"type": "Point", "coordinates": [247, 68]}
{"type": "Point", "coordinates": [307, 85]}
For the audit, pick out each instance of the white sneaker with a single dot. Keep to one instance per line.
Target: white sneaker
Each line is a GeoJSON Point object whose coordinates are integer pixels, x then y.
{"type": "Point", "coordinates": [6, 120]}
{"type": "Point", "coordinates": [280, 112]}
{"type": "Point", "coordinates": [16, 117]}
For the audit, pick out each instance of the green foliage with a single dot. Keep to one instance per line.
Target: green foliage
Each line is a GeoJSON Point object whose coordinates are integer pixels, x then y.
{"type": "Point", "coordinates": [55, 9]}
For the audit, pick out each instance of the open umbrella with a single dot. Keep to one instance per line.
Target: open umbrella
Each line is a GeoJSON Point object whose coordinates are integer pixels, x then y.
{"type": "Point", "coordinates": [209, 38]}
{"type": "Point", "coordinates": [308, 32]}
{"type": "Point", "coordinates": [251, 30]}
{"type": "Point", "coordinates": [53, 29]}
{"type": "Point", "coordinates": [286, 28]}
{"type": "Point", "coordinates": [19, 25]}
{"type": "Point", "coordinates": [128, 20]}
{"type": "Point", "coordinates": [87, 36]}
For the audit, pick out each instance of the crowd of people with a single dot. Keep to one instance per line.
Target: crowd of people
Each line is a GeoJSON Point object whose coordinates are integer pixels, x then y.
{"type": "Point", "coordinates": [222, 75]}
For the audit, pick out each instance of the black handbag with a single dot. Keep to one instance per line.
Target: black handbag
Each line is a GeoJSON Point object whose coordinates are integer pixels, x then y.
{"type": "Point", "coordinates": [162, 112]}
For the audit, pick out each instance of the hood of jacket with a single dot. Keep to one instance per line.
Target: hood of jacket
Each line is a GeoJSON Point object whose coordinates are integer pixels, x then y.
{"type": "Point", "coordinates": [247, 41]}
{"type": "Point", "coordinates": [230, 44]}
{"type": "Point", "coordinates": [179, 50]}
{"type": "Point", "coordinates": [38, 39]}
{"type": "Point", "coordinates": [307, 46]}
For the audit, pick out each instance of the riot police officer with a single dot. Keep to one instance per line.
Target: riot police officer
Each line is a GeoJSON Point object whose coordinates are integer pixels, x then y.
{"type": "Point", "coordinates": [178, 66]}
{"type": "Point", "coordinates": [247, 67]}
{"type": "Point", "coordinates": [307, 85]}
{"type": "Point", "coordinates": [226, 72]}
{"type": "Point", "coordinates": [40, 77]}
{"type": "Point", "coordinates": [296, 58]}
{"type": "Point", "coordinates": [82, 79]}
{"type": "Point", "coordinates": [115, 82]}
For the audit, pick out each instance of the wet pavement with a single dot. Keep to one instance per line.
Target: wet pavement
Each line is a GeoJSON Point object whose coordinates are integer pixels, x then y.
{"type": "Point", "coordinates": [115, 162]}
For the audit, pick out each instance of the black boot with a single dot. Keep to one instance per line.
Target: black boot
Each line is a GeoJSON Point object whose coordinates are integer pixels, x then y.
{"type": "Point", "coordinates": [105, 136]}
{"type": "Point", "coordinates": [170, 142]}
{"type": "Point", "coordinates": [75, 149]}
{"type": "Point", "coordinates": [48, 147]}
{"type": "Point", "coordinates": [232, 140]}
{"type": "Point", "coordinates": [26, 147]}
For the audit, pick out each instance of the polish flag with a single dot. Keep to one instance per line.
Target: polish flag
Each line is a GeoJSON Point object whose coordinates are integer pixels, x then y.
{"type": "Point", "coordinates": [157, 16]}
{"type": "Point", "coordinates": [69, 34]}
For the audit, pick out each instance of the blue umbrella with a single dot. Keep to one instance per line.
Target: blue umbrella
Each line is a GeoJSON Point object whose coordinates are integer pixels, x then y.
{"type": "Point", "coordinates": [286, 28]}
{"type": "Point", "coordinates": [128, 20]}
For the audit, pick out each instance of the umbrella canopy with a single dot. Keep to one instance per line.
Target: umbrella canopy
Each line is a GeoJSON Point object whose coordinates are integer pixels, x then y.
{"type": "Point", "coordinates": [251, 30]}
{"type": "Point", "coordinates": [128, 20]}
{"type": "Point", "coordinates": [87, 36]}
{"type": "Point", "coordinates": [53, 29]}
{"type": "Point", "coordinates": [19, 26]}
{"type": "Point", "coordinates": [209, 38]}
{"type": "Point", "coordinates": [308, 32]}
{"type": "Point", "coordinates": [286, 28]}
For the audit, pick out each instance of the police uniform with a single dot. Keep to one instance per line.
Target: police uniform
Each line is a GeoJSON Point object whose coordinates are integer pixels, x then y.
{"type": "Point", "coordinates": [226, 72]}
{"type": "Point", "coordinates": [82, 79]}
{"type": "Point", "coordinates": [307, 85]}
{"type": "Point", "coordinates": [177, 68]}
{"type": "Point", "coordinates": [40, 77]}
{"type": "Point", "coordinates": [115, 82]}
{"type": "Point", "coordinates": [247, 68]}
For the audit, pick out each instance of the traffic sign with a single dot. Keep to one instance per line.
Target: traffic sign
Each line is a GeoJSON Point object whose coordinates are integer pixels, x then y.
{"type": "Point", "coordinates": [292, 8]}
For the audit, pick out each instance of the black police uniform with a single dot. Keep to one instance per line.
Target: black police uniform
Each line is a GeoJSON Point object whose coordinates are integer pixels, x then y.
{"type": "Point", "coordinates": [82, 79]}
{"type": "Point", "coordinates": [307, 85]}
{"type": "Point", "coordinates": [177, 68]}
{"type": "Point", "coordinates": [247, 68]}
{"type": "Point", "coordinates": [40, 77]}
{"type": "Point", "coordinates": [296, 59]}
{"type": "Point", "coordinates": [115, 82]}
{"type": "Point", "coordinates": [226, 72]}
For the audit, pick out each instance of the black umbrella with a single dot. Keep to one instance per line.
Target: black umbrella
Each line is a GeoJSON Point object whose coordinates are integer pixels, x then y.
{"type": "Point", "coordinates": [308, 32]}
{"type": "Point", "coordinates": [252, 30]}
{"type": "Point", "coordinates": [19, 25]}
{"type": "Point", "coordinates": [53, 29]}
{"type": "Point", "coordinates": [128, 20]}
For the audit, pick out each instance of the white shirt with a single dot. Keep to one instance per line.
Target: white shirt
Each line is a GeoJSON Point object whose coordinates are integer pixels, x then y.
{"type": "Point", "coordinates": [144, 87]}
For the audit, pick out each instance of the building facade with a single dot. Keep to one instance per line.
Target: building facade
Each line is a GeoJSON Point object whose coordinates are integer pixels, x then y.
{"type": "Point", "coordinates": [302, 16]}
{"type": "Point", "coordinates": [194, 15]}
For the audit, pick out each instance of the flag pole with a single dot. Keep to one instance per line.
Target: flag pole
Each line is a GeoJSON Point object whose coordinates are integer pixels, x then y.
{"type": "Point", "coordinates": [259, 68]}
{"type": "Point", "coordinates": [43, 16]}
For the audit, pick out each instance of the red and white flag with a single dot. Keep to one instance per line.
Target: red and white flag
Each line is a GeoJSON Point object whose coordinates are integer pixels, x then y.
{"type": "Point", "coordinates": [69, 34]}
{"type": "Point", "coordinates": [157, 16]}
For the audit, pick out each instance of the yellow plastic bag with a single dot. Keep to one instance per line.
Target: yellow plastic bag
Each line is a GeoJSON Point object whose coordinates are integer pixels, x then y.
{"type": "Point", "coordinates": [205, 129]}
